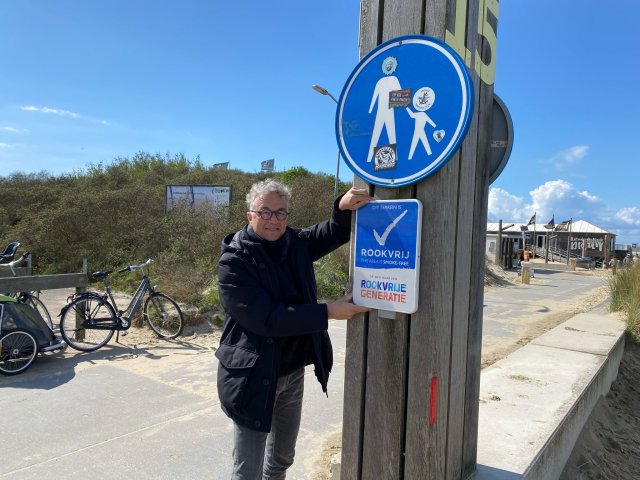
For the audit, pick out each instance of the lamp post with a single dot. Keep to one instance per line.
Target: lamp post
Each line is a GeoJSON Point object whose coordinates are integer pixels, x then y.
{"type": "Point", "coordinates": [322, 91]}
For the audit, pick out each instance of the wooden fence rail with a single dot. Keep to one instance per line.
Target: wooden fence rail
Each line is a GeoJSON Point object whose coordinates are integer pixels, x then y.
{"type": "Point", "coordinates": [78, 281]}
{"type": "Point", "coordinates": [20, 279]}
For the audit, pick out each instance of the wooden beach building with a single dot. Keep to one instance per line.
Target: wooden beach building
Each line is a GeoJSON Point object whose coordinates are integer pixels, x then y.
{"type": "Point", "coordinates": [507, 242]}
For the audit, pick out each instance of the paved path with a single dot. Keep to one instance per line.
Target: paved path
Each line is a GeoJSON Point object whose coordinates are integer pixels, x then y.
{"type": "Point", "coordinates": [144, 413]}
{"type": "Point", "coordinates": [152, 412]}
{"type": "Point", "coordinates": [514, 315]}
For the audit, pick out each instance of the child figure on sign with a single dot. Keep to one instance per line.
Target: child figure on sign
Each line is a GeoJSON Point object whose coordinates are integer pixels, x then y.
{"type": "Point", "coordinates": [423, 99]}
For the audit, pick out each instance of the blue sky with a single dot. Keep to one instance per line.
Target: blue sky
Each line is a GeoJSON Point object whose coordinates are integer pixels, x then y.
{"type": "Point", "coordinates": [87, 82]}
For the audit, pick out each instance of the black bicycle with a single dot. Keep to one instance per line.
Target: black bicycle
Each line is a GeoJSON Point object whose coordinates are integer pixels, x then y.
{"type": "Point", "coordinates": [90, 319]}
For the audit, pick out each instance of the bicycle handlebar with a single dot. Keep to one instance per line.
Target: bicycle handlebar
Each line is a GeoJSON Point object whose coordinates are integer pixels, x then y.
{"type": "Point", "coordinates": [131, 268]}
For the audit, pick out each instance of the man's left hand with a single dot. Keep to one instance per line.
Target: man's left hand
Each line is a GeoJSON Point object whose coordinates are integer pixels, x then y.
{"type": "Point", "coordinates": [354, 199]}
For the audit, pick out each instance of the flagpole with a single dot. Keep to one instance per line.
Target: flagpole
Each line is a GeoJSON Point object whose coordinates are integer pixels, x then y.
{"type": "Point", "coordinates": [569, 241]}
{"type": "Point", "coordinates": [535, 239]}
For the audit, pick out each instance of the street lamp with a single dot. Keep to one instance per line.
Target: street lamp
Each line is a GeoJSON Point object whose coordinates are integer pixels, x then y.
{"type": "Point", "coordinates": [322, 91]}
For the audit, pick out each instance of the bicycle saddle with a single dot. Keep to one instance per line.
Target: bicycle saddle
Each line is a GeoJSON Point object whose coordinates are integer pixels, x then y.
{"type": "Point", "coordinates": [9, 252]}
{"type": "Point", "coordinates": [101, 274]}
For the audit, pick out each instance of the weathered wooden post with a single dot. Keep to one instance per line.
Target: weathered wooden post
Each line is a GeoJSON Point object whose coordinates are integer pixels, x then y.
{"type": "Point", "coordinates": [499, 250]}
{"type": "Point", "coordinates": [412, 381]}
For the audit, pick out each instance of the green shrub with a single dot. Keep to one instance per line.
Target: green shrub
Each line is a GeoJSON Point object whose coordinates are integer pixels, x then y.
{"type": "Point", "coordinates": [625, 297]}
{"type": "Point", "coordinates": [332, 277]}
{"type": "Point", "coordinates": [114, 215]}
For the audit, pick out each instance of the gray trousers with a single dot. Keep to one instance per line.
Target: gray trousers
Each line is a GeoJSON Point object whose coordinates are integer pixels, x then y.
{"type": "Point", "coordinates": [266, 456]}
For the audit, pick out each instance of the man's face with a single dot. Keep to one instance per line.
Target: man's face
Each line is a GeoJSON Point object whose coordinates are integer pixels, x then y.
{"type": "Point", "coordinates": [273, 228]}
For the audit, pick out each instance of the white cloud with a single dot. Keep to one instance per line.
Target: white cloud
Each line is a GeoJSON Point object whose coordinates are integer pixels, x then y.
{"type": "Point", "coordinates": [568, 158]}
{"type": "Point", "coordinates": [13, 130]}
{"type": "Point", "coordinates": [573, 155]}
{"type": "Point", "coordinates": [560, 196]}
{"type": "Point", "coordinates": [55, 111]}
{"type": "Point", "coordinates": [504, 205]}
{"type": "Point", "coordinates": [629, 216]}
{"type": "Point", "coordinates": [62, 113]}
{"type": "Point", "coordinates": [4, 145]}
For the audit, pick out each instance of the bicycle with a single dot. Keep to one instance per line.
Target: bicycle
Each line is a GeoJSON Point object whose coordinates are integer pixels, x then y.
{"type": "Point", "coordinates": [90, 319]}
{"type": "Point", "coordinates": [29, 298]}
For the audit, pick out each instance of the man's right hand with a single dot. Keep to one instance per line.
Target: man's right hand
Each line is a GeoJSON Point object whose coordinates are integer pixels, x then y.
{"type": "Point", "coordinates": [344, 308]}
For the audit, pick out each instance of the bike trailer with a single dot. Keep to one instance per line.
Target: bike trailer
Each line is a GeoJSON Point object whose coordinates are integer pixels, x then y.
{"type": "Point", "coordinates": [20, 316]}
{"type": "Point", "coordinates": [23, 333]}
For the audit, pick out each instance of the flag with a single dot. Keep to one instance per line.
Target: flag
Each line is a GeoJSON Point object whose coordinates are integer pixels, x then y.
{"type": "Point", "coordinates": [532, 220]}
{"type": "Point", "coordinates": [564, 226]}
{"type": "Point", "coordinates": [223, 165]}
{"type": "Point", "coordinates": [267, 165]}
{"type": "Point", "coordinates": [552, 224]}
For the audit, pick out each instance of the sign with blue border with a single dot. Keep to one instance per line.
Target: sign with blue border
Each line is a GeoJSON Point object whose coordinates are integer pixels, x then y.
{"type": "Point", "coordinates": [387, 255]}
{"type": "Point", "coordinates": [404, 111]}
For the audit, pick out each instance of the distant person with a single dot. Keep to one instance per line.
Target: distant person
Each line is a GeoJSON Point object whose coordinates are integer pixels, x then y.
{"type": "Point", "coordinates": [274, 325]}
{"type": "Point", "coordinates": [627, 260]}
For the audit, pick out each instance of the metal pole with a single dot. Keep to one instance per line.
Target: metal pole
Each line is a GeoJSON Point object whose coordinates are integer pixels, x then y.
{"type": "Point", "coordinates": [337, 181]}
{"type": "Point", "coordinates": [324, 91]}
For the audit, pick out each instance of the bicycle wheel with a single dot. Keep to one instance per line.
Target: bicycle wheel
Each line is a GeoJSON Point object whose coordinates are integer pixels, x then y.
{"type": "Point", "coordinates": [33, 301]}
{"type": "Point", "coordinates": [18, 350]}
{"type": "Point", "coordinates": [164, 315]}
{"type": "Point", "coordinates": [88, 323]}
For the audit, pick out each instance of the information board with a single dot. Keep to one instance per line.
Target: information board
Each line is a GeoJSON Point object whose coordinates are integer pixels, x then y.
{"type": "Point", "coordinates": [197, 195]}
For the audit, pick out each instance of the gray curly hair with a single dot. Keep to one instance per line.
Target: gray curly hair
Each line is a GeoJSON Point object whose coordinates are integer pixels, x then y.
{"type": "Point", "coordinates": [264, 187]}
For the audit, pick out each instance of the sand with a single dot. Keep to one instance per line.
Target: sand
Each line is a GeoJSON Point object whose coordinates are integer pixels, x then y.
{"type": "Point", "coordinates": [609, 446]}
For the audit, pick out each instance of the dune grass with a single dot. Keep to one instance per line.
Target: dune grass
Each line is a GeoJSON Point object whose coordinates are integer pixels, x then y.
{"type": "Point", "coordinates": [625, 297]}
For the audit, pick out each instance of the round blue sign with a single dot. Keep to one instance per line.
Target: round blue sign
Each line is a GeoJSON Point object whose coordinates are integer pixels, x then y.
{"type": "Point", "coordinates": [404, 111]}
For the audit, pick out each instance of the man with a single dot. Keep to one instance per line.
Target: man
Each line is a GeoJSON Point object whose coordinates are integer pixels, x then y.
{"type": "Point", "coordinates": [274, 326]}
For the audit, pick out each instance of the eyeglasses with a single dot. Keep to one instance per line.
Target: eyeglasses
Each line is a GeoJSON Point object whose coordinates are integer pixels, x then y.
{"type": "Point", "coordinates": [267, 214]}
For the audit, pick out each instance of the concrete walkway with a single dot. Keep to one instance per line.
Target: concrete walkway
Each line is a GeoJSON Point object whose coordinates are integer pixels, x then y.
{"type": "Point", "coordinates": [143, 413]}
{"type": "Point", "coordinates": [152, 412]}
{"type": "Point", "coordinates": [535, 402]}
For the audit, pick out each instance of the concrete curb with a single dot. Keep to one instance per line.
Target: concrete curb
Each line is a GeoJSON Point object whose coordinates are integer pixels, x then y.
{"type": "Point", "coordinates": [535, 402]}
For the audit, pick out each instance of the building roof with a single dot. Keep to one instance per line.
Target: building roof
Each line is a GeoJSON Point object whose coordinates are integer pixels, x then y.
{"type": "Point", "coordinates": [582, 226]}
{"type": "Point", "coordinates": [579, 226]}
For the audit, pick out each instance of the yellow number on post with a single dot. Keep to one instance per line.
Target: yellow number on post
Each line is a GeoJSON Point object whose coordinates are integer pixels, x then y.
{"type": "Point", "coordinates": [456, 40]}
{"type": "Point", "coordinates": [487, 72]}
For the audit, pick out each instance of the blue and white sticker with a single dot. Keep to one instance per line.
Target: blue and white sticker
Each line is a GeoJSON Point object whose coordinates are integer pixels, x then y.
{"type": "Point", "coordinates": [404, 111]}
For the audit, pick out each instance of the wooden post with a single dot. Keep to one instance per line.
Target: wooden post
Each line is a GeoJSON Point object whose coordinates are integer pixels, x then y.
{"type": "Point", "coordinates": [412, 381]}
{"type": "Point", "coordinates": [499, 253]}
{"type": "Point", "coordinates": [569, 243]}
{"type": "Point", "coordinates": [546, 249]}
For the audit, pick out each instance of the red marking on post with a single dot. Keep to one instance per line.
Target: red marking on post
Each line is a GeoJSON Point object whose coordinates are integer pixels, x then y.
{"type": "Point", "coordinates": [434, 400]}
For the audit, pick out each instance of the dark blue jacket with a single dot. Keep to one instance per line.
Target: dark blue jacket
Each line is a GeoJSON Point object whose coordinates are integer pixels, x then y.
{"type": "Point", "coordinates": [257, 318]}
